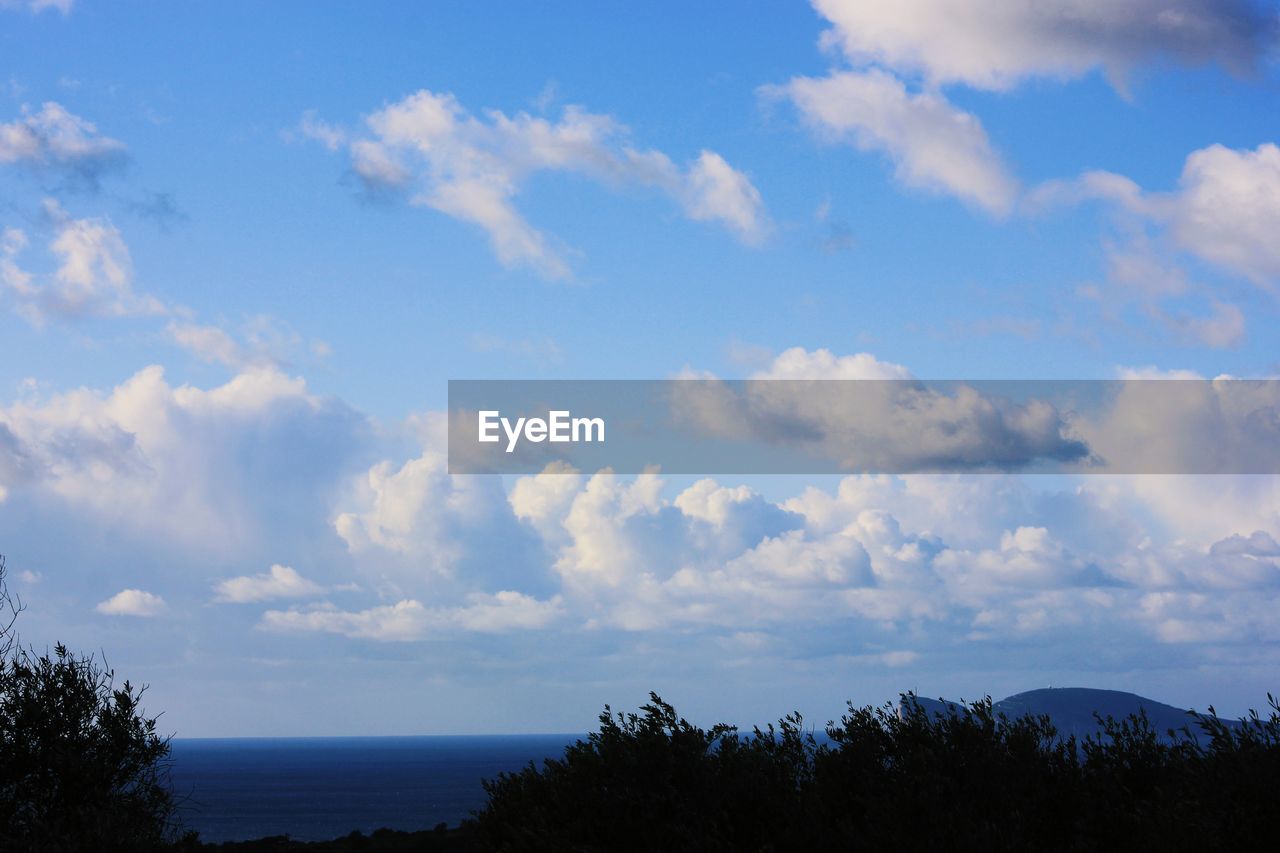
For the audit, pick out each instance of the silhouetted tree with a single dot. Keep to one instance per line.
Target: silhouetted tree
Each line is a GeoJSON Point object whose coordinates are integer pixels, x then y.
{"type": "Point", "coordinates": [82, 767]}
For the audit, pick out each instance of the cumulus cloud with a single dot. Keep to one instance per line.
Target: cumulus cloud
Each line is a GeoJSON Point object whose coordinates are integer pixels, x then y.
{"type": "Point", "coordinates": [1224, 426]}
{"type": "Point", "coordinates": [472, 167]}
{"type": "Point", "coordinates": [934, 146]}
{"type": "Point", "coordinates": [1251, 561]}
{"type": "Point", "coordinates": [93, 276]}
{"type": "Point", "coordinates": [1028, 558]}
{"type": "Point", "coordinates": [57, 141]}
{"type": "Point", "coordinates": [899, 57]}
{"type": "Point", "coordinates": [419, 509]}
{"type": "Point", "coordinates": [1222, 213]}
{"type": "Point", "coordinates": [1225, 210]}
{"type": "Point", "coordinates": [1197, 618]}
{"type": "Point", "coordinates": [940, 559]}
{"type": "Point", "coordinates": [132, 602]}
{"type": "Point", "coordinates": [87, 272]}
{"type": "Point", "coordinates": [277, 582]}
{"type": "Point", "coordinates": [983, 559]}
{"type": "Point", "coordinates": [416, 529]}
{"type": "Point", "coordinates": [800, 363]}
{"type": "Point", "coordinates": [906, 567]}
{"type": "Point", "coordinates": [719, 556]}
{"type": "Point", "coordinates": [996, 44]}
{"type": "Point", "coordinates": [212, 467]}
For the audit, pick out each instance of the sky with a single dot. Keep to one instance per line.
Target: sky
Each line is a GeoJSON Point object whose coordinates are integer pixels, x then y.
{"type": "Point", "coordinates": [244, 246]}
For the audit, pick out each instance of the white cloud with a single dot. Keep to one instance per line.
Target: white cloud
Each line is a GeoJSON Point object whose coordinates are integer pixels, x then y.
{"type": "Point", "coordinates": [209, 467]}
{"type": "Point", "coordinates": [55, 139]}
{"type": "Point", "coordinates": [404, 620]}
{"type": "Point", "coordinates": [419, 510]}
{"type": "Point", "coordinates": [209, 343]}
{"type": "Point", "coordinates": [1028, 557]}
{"type": "Point", "coordinates": [132, 602]}
{"type": "Point", "coordinates": [542, 500]}
{"type": "Point", "coordinates": [934, 145]}
{"type": "Point", "coordinates": [875, 568]}
{"type": "Point", "coordinates": [1225, 211]}
{"type": "Point", "coordinates": [93, 278]}
{"type": "Point", "coordinates": [717, 192]}
{"type": "Point", "coordinates": [472, 168]}
{"type": "Point", "coordinates": [1195, 618]}
{"type": "Point", "coordinates": [329, 136]}
{"type": "Point", "coordinates": [1195, 507]}
{"type": "Point", "coordinates": [899, 57]}
{"type": "Point", "coordinates": [277, 582]}
{"type": "Point", "coordinates": [800, 363]}
{"type": "Point", "coordinates": [792, 558]}
{"type": "Point", "coordinates": [416, 529]}
{"type": "Point", "coordinates": [411, 620]}
{"type": "Point", "coordinates": [1219, 427]}
{"type": "Point", "coordinates": [996, 44]}
{"type": "Point", "coordinates": [260, 342]}
{"type": "Point", "coordinates": [937, 559]}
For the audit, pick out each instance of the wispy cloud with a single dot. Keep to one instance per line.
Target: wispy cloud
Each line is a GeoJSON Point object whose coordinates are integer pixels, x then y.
{"type": "Point", "coordinates": [431, 148]}
{"type": "Point", "coordinates": [55, 140]}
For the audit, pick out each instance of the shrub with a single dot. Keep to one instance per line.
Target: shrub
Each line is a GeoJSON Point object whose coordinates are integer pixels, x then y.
{"type": "Point", "coordinates": [893, 778]}
{"type": "Point", "coordinates": [82, 767]}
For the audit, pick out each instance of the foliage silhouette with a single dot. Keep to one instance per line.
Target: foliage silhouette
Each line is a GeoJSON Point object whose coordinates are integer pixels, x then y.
{"type": "Point", "coordinates": [899, 777]}
{"type": "Point", "coordinates": [82, 767]}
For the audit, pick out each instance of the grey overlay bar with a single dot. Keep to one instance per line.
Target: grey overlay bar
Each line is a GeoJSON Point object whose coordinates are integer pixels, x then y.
{"type": "Point", "coordinates": [769, 426]}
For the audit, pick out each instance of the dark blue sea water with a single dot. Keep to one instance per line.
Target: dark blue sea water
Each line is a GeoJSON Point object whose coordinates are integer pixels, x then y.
{"type": "Point", "coordinates": [314, 789]}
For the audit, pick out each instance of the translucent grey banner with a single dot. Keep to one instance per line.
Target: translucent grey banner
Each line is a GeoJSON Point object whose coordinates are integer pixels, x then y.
{"type": "Point", "coordinates": [772, 426]}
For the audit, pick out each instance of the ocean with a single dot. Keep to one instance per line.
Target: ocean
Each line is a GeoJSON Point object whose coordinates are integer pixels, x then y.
{"type": "Point", "coordinates": [313, 789]}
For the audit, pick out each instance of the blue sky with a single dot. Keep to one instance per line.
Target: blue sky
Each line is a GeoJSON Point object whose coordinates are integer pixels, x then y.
{"type": "Point", "coordinates": [246, 245]}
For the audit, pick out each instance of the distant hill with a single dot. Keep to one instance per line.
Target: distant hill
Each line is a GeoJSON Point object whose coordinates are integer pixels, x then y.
{"type": "Point", "coordinates": [1072, 709]}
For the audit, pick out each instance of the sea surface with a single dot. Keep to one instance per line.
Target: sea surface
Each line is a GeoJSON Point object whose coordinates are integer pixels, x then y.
{"type": "Point", "coordinates": [313, 789]}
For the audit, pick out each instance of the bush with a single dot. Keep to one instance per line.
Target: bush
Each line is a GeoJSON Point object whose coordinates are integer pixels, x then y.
{"type": "Point", "coordinates": [893, 778]}
{"type": "Point", "coordinates": [82, 768]}
{"type": "Point", "coordinates": [652, 781]}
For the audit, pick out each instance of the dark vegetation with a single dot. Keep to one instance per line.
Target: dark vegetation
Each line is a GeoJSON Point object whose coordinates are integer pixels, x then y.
{"type": "Point", "coordinates": [893, 778]}
{"type": "Point", "coordinates": [438, 840]}
{"type": "Point", "coordinates": [82, 769]}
